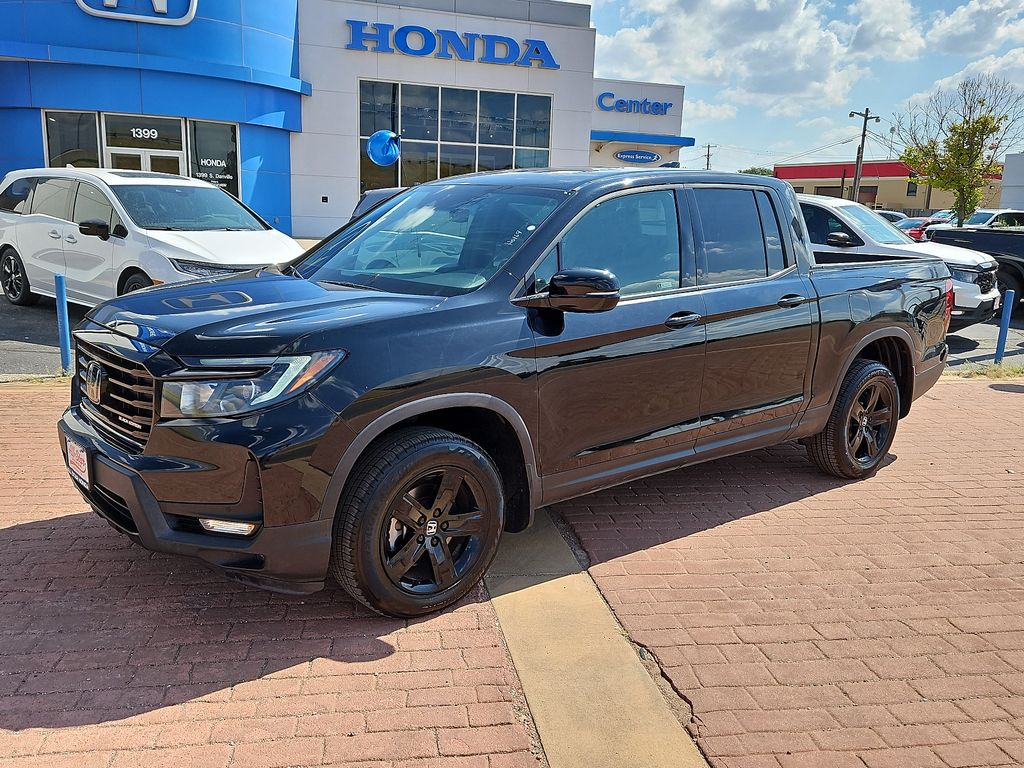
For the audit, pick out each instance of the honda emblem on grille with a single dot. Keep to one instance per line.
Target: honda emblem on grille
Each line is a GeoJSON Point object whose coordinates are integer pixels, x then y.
{"type": "Point", "coordinates": [95, 381]}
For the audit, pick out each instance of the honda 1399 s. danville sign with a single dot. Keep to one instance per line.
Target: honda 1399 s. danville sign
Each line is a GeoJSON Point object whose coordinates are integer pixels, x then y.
{"type": "Point", "coordinates": [171, 12]}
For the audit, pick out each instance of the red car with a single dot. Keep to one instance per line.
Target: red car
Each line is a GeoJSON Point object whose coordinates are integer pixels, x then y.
{"type": "Point", "coordinates": [915, 227]}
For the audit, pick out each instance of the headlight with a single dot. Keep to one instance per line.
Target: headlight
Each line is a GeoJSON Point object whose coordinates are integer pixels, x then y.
{"type": "Point", "coordinates": [233, 386]}
{"type": "Point", "coordinates": [200, 268]}
{"type": "Point", "coordinates": [963, 275]}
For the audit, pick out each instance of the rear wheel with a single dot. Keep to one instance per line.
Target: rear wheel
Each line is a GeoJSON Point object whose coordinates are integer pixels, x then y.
{"type": "Point", "coordinates": [14, 281]}
{"type": "Point", "coordinates": [136, 281]}
{"type": "Point", "coordinates": [419, 522]}
{"type": "Point", "coordinates": [862, 425]}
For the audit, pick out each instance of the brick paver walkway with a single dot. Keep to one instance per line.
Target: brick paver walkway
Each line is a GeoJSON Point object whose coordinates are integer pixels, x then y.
{"type": "Point", "coordinates": [814, 623]}
{"type": "Point", "coordinates": [111, 656]}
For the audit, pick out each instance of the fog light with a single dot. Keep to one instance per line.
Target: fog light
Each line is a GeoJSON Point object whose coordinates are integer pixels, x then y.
{"type": "Point", "coordinates": [233, 527]}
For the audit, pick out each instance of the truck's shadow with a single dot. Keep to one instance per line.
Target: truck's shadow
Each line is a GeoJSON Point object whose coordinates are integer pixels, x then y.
{"type": "Point", "coordinates": [94, 629]}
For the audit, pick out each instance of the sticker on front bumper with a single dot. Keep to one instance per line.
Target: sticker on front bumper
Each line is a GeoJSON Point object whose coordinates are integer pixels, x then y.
{"type": "Point", "coordinates": [78, 463]}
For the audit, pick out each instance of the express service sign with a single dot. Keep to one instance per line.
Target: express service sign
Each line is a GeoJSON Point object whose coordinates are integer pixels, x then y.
{"type": "Point", "coordinates": [637, 156]}
{"type": "Point", "coordinates": [168, 12]}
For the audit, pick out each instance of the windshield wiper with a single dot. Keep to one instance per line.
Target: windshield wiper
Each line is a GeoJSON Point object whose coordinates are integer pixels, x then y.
{"type": "Point", "coordinates": [349, 285]}
{"type": "Point", "coordinates": [168, 229]}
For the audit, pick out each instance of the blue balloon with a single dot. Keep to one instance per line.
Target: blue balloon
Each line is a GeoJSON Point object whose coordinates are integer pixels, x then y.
{"type": "Point", "coordinates": [383, 148]}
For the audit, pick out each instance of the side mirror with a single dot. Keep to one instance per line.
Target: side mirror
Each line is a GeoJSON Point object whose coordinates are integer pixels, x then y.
{"type": "Point", "coordinates": [576, 290]}
{"type": "Point", "coordinates": [839, 240]}
{"type": "Point", "coordinates": [95, 228]}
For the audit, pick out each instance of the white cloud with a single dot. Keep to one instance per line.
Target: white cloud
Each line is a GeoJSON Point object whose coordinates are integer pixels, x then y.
{"type": "Point", "coordinates": [818, 123]}
{"type": "Point", "coordinates": [978, 26]}
{"type": "Point", "coordinates": [882, 28]}
{"type": "Point", "coordinates": [697, 110]}
{"type": "Point", "coordinates": [778, 55]}
{"type": "Point", "coordinates": [1009, 66]}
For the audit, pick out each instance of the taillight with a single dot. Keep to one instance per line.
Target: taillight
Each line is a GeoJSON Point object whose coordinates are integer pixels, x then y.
{"type": "Point", "coordinates": [949, 301]}
{"type": "Point", "coordinates": [915, 233]}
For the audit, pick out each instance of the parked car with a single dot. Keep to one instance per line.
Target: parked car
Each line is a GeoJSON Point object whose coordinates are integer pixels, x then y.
{"type": "Point", "coordinates": [1005, 246]}
{"type": "Point", "coordinates": [526, 337]}
{"type": "Point", "coordinates": [892, 216]}
{"type": "Point", "coordinates": [371, 198]}
{"type": "Point", "coordinates": [945, 214]}
{"type": "Point", "coordinates": [914, 228]}
{"type": "Point", "coordinates": [843, 227]}
{"type": "Point", "coordinates": [996, 218]}
{"type": "Point", "coordinates": [112, 232]}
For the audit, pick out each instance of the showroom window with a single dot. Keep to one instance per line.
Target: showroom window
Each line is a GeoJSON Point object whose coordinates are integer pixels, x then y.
{"type": "Point", "coordinates": [197, 148]}
{"type": "Point", "coordinates": [72, 138]}
{"type": "Point", "coordinates": [451, 131]}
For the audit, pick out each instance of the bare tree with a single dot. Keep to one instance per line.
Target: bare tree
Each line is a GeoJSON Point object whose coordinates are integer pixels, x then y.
{"type": "Point", "coordinates": [955, 137]}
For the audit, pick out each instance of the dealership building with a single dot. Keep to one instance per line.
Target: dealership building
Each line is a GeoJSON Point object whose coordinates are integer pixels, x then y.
{"type": "Point", "coordinates": [275, 100]}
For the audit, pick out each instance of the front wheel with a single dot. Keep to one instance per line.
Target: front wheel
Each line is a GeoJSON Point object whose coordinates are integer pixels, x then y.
{"type": "Point", "coordinates": [1009, 281]}
{"type": "Point", "coordinates": [862, 425]}
{"type": "Point", "coordinates": [419, 522]}
{"type": "Point", "coordinates": [136, 281]}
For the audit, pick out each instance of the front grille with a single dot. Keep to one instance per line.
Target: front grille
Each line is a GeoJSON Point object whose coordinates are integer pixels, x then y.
{"type": "Point", "coordinates": [986, 281]}
{"type": "Point", "coordinates": [125, 410]}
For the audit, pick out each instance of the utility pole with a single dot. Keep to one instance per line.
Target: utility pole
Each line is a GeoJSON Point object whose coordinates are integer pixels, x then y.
{"type": "Point", "coordinates": [866, 114]}
{"type": "Point", "coordinates": [708, 165]}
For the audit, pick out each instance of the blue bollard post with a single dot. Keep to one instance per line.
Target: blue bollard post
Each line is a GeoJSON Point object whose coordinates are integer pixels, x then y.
{"type": "Point", "coordinates": [63, 332]}
{"type": "Point", "coordinates": [1009, 299]}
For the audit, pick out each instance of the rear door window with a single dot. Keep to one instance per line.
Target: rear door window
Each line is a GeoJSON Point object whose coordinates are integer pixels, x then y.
{"type": "Point", "coordinates": [16, 196]}
{"type": "Point", "coordinates": [734, 244]}
{"type": "Point", "coordinates": [50, 197]}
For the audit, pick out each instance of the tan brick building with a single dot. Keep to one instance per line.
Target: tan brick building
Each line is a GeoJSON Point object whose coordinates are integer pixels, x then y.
{"type": "Point", "coordinates": [887, 184]}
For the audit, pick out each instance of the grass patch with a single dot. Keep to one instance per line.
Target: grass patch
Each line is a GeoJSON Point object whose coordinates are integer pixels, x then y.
{"type": "Point", "coordinates": [987, 371]}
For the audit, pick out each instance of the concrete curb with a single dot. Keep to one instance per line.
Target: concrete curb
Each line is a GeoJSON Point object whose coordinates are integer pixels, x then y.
{"type": "Point", "coordinates": [592, 699]}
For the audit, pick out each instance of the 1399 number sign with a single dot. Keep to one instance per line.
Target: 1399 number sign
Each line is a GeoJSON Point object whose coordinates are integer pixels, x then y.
{"type": "Point", "coordinates": [145, 133]}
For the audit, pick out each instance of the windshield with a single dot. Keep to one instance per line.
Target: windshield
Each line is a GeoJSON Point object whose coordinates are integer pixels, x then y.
{"type": "Point", "coordinates": [980, 217]}
{"type": "Point", "coordinates": [878, 229]}
{"type": "Point", "coordinates": [186, 207]}
{"type": "Point", "coordinates": [439, 240]}
{"type": "Point", "coordinates": [909, 223]}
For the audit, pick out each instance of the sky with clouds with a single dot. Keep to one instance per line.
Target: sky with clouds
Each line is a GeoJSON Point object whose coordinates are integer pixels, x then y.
{"type": "Point", "coordinates": [770, 79]}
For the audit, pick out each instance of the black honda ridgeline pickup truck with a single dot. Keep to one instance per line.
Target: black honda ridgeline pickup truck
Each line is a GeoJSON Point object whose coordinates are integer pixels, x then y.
{"type": "Point", "coordinates": [384, 408]}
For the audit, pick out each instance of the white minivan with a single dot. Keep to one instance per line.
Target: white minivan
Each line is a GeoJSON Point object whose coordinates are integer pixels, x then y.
{"type": "Point", "coordinates": [110, 232]}
{"type": "Point", "coordinates": [843, 226]}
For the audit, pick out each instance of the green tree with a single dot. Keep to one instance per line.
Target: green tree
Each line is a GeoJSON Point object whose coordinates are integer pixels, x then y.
{"type": "Point", "coordinates": [759, 170]}
{"type": "Point", "coordinates": [953, 138]}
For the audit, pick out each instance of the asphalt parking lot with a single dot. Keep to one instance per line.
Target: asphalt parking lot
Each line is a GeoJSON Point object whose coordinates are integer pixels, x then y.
{"type": "Point", "coordinates": [28, 340]}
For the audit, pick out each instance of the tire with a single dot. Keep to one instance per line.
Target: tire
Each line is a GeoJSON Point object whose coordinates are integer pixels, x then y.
{"type": "Point", "coordinates": [392, 532]}
{"type": "Point", "coordinates": [14, 280]}
{"type": "Point", "coordinates": [858, 453]}
{"type": "Point", "coordinates": [1010, 281]}
{"type": "Point", "coordinates": [135, 282]}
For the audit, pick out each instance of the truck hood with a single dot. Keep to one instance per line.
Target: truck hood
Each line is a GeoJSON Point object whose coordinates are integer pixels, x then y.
{"type": "Point", "coordinates": [256, 313]}
{"type": "Point", "coordinates": [953, 254]}
{"type": "Point", "coordinates": [256, 247]}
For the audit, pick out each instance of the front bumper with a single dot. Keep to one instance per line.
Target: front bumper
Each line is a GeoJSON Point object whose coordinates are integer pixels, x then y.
{"type": "Point", "coordinates": [963, 317]}
{"type": "Point", "coordinates": [286, 558]}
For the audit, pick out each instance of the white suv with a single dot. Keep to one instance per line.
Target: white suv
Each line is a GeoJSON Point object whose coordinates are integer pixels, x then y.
{"type": "Point", "coordinates": [110, 232]}
{"type": "Point", "coordinates": [843, 226]}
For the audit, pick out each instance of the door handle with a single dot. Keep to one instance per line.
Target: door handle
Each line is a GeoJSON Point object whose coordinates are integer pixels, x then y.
{"type": "Point", "coordinates": [71, 239]}
{"type": "Point", "coordinates": [683, 319]}
{"type": "Point", "coordinates": [791, 300]}
{"type": "Point", "coordinates": [54, 234]}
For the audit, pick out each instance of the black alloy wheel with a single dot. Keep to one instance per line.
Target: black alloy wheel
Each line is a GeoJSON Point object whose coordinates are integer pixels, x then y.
{"type": "Point", "coordinates": [135, 282]}
{"type": "Point", "coordinates": [862, 425]}
{"type": "Point", "coordinates": [13, 279]}
{"type": "Point", "coordinates": [418, 523]}
{"type": "Point", "coordinates": [869, 423]}
{"type": "Point", "coordinates": [432, 534]}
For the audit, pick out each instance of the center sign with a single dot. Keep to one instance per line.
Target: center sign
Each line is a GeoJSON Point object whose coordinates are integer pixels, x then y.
{"type": "Point", "coordinates": [413, 40]}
